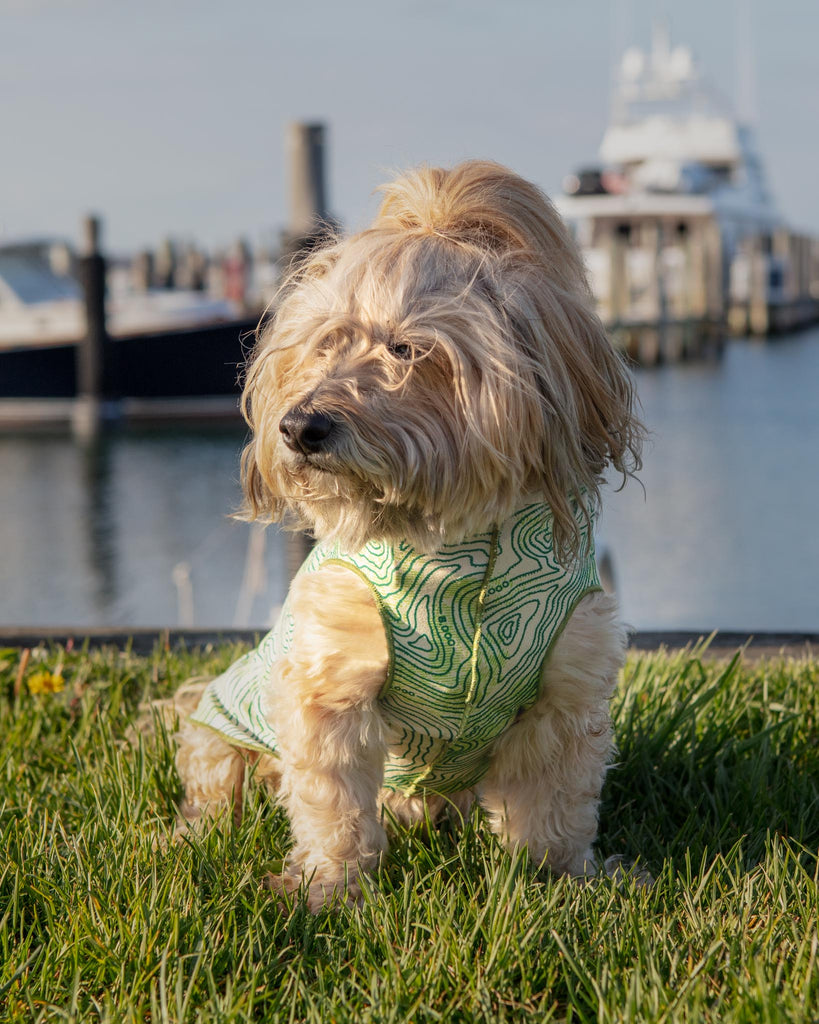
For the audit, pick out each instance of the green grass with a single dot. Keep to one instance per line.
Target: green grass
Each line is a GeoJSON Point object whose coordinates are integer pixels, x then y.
{"type": "Point", "coordinates": [716, 789]}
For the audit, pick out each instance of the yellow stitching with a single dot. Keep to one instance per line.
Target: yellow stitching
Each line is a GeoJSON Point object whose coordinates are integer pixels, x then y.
{"type": "Point", "coordinates": [476, 639]}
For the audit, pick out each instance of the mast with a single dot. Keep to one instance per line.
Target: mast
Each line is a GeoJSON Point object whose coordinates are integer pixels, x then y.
{"type": "Point", "coordinates": [744, 63]}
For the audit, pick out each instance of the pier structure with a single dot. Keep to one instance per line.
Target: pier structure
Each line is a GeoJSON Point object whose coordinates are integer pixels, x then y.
{"type": "Point", "coordinates": [774, 285]}
{"type": "Point", "coordinates": [670, 286]}
{"type": "Point", "coordinates": [658, 275]}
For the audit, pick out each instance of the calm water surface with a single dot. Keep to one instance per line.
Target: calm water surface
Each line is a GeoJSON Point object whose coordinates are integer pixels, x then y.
{"type": "Point", "coordinates": [136, 531]}
{"type": "Point", "coordinates": [727, 533]}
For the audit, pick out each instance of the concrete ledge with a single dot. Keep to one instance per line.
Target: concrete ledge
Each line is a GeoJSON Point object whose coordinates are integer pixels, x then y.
{"type": "Point", "coordinates": [140, 641]}
{"type": "Point", "coordinates": [206, 408]}
{"type": "Point", "coordinates": [143, 641]}
{"type": "Point", "coordinates": [37, 413]}
{"type": "Point", "coordinates": [724, 643]}
{"type": "Point", "coordinates": [51, 413]}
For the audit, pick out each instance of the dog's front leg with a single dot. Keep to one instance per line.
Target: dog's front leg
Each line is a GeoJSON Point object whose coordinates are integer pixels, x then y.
{"type": "Point", "coordinates": [543, 786]}
{"type": "Point", "coordinates": [323, 704]}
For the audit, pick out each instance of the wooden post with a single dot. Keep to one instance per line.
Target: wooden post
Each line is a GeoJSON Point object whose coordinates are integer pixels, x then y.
{"type": "Point", "coordinates": [800, 256]}
{"type": "Point", "coordinates": [142, 271]}
{"type": "Point", "coordinates": [308, 195]}
{"type": "Point", "coordinates": [660, 296]}
{"type": "Point", "coordinates": [715, 276]}
{"type": "Point", "coordinates": [90, 352]}
{"type": "Point", "coordinates": [697, 304]}
{"type": "Point", "coordinates": [165, 265]}
{"type": "Point", "coordinates": [813, 279]}
{"type": "Point", "coordinates": [693, 304]}
{"type": "Point", "coordinates": [758, 319]}
{"type": "Point", "coordinates": [618, 283]}
{"type": "Point", "coordinates": [309, 225]}
{"type": "Point", "coordinates": [310, 222]}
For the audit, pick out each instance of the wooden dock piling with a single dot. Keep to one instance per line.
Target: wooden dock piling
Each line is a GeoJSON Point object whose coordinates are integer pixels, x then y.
{"type": "Point", "coordinates": [310, 222]}
{"type": "Point", "coordinates": [308, 193]}
{"type": "Point", "coordinates": [90, 352]}
{"type": "Point", "coordinates": [309, 225]}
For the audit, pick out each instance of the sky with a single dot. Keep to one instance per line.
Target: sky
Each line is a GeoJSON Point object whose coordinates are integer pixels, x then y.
{"type": "Point", "coordinates": [168, 117]}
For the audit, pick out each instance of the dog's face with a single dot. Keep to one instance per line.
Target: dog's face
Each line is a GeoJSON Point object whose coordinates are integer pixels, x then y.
{"type": "Point", "coordinates": [417, 382]}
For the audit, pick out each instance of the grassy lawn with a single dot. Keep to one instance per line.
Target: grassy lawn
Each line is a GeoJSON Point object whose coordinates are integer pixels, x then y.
{"type": "Point", "coordinates": [716, 790]}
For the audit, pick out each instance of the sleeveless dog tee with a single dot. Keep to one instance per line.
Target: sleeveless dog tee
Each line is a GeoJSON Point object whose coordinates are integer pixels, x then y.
{"type": "Point", "coordinates": [468, 630]}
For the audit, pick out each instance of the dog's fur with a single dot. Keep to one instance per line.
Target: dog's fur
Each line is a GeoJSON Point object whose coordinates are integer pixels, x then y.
{"type": "Point", "coordinates": [453, 351]}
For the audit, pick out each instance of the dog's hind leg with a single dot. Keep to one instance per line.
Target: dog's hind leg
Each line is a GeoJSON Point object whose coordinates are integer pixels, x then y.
{"type": "Point", "coordinates": [547, 771]}
{"type": "Point", "coordinates": [212, 772]}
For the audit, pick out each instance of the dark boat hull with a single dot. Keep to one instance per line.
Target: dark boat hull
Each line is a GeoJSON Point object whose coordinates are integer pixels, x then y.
{"type": "Point", "coordinates": [188, 363]}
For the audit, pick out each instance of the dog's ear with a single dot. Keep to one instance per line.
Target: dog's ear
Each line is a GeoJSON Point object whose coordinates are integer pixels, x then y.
{"type": "Point", "coordinates": [260, 472]}
{"type": "Point", "coordinates": [257, 496]}
{"type": "Point", "coordinates": [574, 396]}
{"type": "Point", "coordinates": [274, 362]}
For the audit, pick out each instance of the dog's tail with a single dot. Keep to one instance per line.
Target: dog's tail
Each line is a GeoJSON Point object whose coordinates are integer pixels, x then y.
{"type": "Point", "coordinates": [489, 206]}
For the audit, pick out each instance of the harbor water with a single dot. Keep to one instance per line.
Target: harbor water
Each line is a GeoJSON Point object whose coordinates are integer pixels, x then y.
{"type": "Point", "coordinates": [136, 530]}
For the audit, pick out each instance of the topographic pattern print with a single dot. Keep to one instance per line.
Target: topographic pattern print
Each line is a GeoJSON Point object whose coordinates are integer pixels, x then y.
{"type": "Point", "coordinates": [468, 628]}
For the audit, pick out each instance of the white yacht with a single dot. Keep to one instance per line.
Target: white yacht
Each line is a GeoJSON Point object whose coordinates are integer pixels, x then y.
{"type": "Point", "coordinates": [41, 302]}
{"type": "Point", "coordinates": [677, 223]}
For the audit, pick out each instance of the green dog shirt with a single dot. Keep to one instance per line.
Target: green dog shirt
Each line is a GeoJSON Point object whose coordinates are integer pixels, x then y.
{"type": "Point", "coordinates": [468, 630]}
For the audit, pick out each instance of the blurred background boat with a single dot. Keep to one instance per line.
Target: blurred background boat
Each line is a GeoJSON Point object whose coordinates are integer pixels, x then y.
{"type": "Point", "coordinates": [41, 299]}
{"type": "Point", "coordinates": [681, 237]}
{"type": "Point", "coordinates": [82, 335]}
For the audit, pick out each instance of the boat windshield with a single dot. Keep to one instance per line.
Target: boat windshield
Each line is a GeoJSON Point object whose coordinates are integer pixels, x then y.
{"type": "Point", "coordinates": [28, 273]}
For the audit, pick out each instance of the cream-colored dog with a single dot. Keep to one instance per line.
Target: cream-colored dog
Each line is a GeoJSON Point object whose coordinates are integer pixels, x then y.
{"type": "Point", "coordinates": [436, 401]}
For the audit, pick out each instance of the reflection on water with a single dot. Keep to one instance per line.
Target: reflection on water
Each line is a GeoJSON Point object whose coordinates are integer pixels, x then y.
{"type": "Point", "coordinates": [135, 530]}
{"type": "Point", "coordinates": [132, 530]}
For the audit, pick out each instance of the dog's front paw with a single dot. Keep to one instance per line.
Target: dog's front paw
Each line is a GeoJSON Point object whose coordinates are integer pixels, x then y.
{"type": "Point", "coordinates": [620, 870]}
{"type": "Point", "coordinates": [321, 891]}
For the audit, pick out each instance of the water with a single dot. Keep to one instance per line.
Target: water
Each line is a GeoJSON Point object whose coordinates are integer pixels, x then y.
{"type": "Point", "coordinates": [136, 532]}
{"type": "Point", "coordinates": [726, 535]}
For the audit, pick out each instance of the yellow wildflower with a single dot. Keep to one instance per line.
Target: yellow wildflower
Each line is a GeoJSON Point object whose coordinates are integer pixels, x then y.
{"type": "Point", "coordinates": [45, 682]}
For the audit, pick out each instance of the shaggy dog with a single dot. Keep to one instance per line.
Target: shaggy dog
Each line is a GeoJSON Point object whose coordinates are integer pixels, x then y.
{"type": "Point", "coordinates": [436, 401]}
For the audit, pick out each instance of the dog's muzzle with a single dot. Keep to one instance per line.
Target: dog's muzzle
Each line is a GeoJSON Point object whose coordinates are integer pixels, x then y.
{"type": "Point", "coordinates": [306, 432]}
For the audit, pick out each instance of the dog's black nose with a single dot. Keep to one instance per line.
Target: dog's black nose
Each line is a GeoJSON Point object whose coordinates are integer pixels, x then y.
{"type": "Point", "coordinates": [305, 432]}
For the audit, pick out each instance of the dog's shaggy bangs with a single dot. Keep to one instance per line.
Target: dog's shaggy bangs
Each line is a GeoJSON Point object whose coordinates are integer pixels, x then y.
{"type": "Point", "coordinates": [456, 337]}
